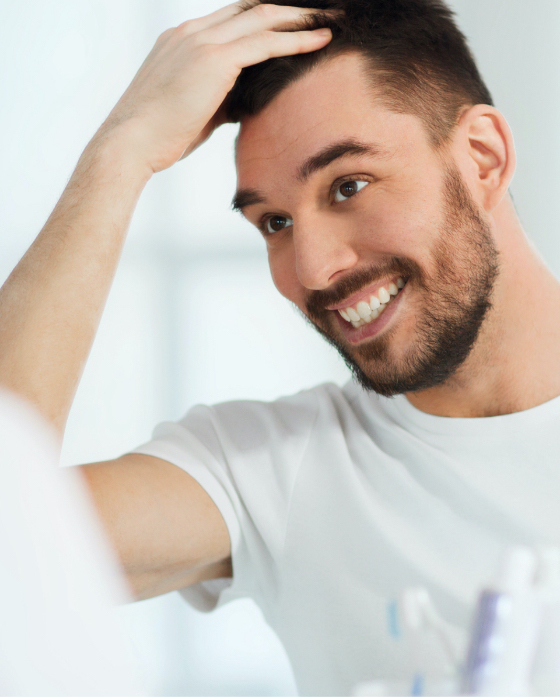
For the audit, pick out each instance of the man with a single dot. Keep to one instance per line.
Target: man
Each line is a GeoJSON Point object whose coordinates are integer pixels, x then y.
{"type": "Point", "coordinates": [377, 170]}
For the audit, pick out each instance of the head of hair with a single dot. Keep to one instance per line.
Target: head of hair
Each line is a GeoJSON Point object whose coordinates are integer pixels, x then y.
{"type": "Point", "coordinates": [418, 60]}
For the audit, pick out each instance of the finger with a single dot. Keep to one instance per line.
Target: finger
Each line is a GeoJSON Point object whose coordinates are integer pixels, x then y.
{"type": "Point", "coordinates": [192, 26]}
{"type": "Point", "coordinates": [262, 17]}
{"type": "Point", "coordinates": [273, 44]}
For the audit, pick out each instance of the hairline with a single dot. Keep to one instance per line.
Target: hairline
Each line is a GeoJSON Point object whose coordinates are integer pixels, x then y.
{"type": "Point", "coordinates": [398, 104]}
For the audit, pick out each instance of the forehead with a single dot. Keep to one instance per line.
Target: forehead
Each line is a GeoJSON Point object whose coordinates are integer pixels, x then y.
{"type": "Point", "coordinates": [336, 101]}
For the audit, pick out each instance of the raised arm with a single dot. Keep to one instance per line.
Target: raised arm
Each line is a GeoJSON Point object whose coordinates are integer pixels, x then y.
{"type": "Point", "coordinates": [51, 304]}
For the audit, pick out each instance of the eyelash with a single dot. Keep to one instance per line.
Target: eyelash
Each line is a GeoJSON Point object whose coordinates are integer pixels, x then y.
{"type": "Point", "coordinates": [334, 188]}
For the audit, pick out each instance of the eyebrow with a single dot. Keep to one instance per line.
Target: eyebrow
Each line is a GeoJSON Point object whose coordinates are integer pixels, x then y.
{"type": "Point", "coordinates": [247, 197]}
{"type": "Point", "coordinates": [335, 151]}
{"type": "Point", "coordinates": [250, 197]}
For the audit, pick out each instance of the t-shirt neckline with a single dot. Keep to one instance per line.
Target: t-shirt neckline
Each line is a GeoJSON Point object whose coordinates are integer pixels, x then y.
{"type": "Point", "coordinates": [404, 412]}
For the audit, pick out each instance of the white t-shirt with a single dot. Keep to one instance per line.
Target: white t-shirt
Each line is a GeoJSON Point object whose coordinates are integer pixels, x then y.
{"type": "Point", "coordinates": [337, 500]}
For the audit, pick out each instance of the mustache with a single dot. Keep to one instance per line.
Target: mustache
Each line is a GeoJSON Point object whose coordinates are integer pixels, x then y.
{"type": "Point", "coordinates": [318, 300]}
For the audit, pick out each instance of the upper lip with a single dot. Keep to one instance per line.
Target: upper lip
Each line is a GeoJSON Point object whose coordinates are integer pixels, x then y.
{"type": "Point", "coordinates": [364, 294]}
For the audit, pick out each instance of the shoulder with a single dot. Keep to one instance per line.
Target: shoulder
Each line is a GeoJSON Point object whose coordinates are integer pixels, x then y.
{"type": "Point", "coordinates": [267, 434]}
{"type": "Point", "coordinates": [250, 424]}
{"type": "Point", "coordinates": [283, 425]}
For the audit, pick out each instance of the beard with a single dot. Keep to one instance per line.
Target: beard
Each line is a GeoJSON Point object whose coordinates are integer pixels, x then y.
{"type": "Point", "coordinates": [455, 300]}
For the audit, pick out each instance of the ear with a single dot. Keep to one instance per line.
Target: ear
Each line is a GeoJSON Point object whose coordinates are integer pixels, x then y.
{"type": "Point", "coordinates": [487, 150]}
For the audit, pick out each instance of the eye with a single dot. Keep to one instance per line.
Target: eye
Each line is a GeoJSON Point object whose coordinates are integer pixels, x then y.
{"type": "Point", "coordinates": [277, 223]}
{"type": "Point", "coordinates": [349, 188]}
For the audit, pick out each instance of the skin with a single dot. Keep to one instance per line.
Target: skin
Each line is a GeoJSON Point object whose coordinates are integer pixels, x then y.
{"type": "Point", "coordinates": [51, 304]}
{"type": "Point", "coordinates": [398, 214]}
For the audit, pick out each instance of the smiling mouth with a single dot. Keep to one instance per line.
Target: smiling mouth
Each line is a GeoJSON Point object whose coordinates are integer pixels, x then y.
{"type": "Point", "coordinates": [366, 311]}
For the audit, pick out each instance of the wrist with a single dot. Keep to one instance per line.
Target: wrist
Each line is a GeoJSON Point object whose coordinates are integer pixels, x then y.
{"type": "Point", "coordinates": [116, 150]}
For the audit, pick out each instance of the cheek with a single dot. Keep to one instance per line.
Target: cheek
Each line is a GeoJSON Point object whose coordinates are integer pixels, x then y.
{"type": "Point", "coordinates": [404, 225]}
{"type": "Point", "coordinates": [282, 266]}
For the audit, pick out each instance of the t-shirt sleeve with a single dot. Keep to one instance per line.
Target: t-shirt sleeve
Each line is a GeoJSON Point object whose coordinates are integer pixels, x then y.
{"type": "Point", "coordinates": [246, 456]}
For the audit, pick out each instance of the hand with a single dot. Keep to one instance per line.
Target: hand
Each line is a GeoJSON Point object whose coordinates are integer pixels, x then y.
{"type": "Point", "coordinates": [173, 103]}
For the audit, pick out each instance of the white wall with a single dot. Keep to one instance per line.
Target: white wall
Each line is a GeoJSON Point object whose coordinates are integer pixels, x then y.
{"type": "Point", "coordinates": [63, 64]}
{"type": "Point", "coordinates": [516, 43]}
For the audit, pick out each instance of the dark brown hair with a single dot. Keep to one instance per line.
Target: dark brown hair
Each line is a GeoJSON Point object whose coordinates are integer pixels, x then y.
{"type": "Point", "coordinates": [419, 60]}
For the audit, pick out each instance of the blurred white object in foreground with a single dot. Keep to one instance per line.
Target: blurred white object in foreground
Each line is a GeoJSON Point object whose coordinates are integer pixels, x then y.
{"type": "Point", "coordinates": [59, 580]}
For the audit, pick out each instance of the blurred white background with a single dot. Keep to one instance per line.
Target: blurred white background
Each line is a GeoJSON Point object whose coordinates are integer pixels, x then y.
{"type": "Point", "coordinates": [63, 64]}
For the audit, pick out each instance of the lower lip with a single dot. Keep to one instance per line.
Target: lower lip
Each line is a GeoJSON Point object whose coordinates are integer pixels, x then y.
{"type": "Point", "coordinates": [355, 336]}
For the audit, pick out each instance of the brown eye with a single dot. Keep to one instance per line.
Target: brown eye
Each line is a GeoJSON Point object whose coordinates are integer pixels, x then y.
{"type": "Point", "coordinates": [348, 189]}
{"type": "Point", "coordinates": [277, 223]}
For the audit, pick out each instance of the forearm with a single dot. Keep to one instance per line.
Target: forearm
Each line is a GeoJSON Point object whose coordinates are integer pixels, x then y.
{"type": "Point", "coordinates": [51, 304]}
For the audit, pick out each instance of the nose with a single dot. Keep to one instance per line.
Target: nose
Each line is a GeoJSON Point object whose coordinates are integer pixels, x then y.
{"type": "Point", "coordinates": [323, 250]}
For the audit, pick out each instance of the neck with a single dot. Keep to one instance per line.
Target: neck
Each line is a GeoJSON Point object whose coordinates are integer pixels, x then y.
{"type": "Point", "coordinates": [514, 364]}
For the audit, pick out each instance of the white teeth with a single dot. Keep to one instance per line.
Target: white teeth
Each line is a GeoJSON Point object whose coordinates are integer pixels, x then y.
{"type": "Point", "coordinates": [384, 296]}
{"type": "Point", "coordinates": [363, 309]}
{"type": "Point", "coordinates": [364, 312]}
{"type": "Point", "coordinates": [344, 315]}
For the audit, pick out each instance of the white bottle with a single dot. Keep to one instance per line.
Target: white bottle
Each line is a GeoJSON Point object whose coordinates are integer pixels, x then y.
{"type": "Point", "coordinates": [505, 632]}
{"type": "Point", "coordinates": [424, 623]}
{"type": "Point", "coordinates": [546, 668]}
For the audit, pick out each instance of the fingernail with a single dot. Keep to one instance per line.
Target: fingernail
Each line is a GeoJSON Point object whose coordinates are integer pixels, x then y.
{"type": "Point", "coordinates": [324, 32]}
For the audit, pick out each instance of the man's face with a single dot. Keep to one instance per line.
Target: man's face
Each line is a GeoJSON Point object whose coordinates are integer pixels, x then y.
{"type": "Point", "coordinates": [370, 232]}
